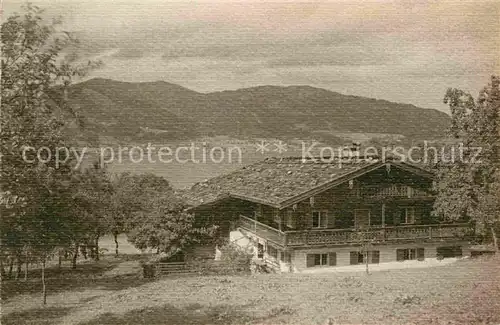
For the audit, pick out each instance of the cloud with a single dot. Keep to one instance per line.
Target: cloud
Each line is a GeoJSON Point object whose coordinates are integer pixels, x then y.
{"type": "Point", "coordinates": [398, 50]}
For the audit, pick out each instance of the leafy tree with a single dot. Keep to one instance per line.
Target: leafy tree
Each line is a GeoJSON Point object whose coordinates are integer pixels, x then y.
{"type": "Point", "coordinates": [39, 216]}
{"type": "Point", "coordinates": [470, 186]}
{"type": "Point", "coordinates": [156, 218]}
{"type": "Point", "coordinates": [131, 195]}
{"type": "Point", "coordinates": [166, 227]}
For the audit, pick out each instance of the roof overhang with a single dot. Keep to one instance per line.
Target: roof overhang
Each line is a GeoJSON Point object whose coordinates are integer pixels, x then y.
{"type": "Point", "coordinates": [254, 200]}
{"type": "Point", "coordinates": [215, 201]}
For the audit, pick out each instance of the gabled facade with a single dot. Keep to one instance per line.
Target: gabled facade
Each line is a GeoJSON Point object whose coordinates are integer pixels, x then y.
{"type": "Point", "coordinates": [330, 213]}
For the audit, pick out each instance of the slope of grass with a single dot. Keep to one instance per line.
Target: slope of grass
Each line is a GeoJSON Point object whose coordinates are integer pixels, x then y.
{"type": "Point", "coordinates": [466, 292]}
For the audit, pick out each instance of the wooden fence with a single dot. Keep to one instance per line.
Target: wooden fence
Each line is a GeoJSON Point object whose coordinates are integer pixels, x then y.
{"type": "Point", "coordinates": [171, 268]}
{"type": "Point", "coordinates": [207, 267]}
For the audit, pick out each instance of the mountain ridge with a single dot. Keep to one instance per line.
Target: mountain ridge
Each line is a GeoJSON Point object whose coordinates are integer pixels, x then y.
{"type": "Point", "coordinates": [124, 110]}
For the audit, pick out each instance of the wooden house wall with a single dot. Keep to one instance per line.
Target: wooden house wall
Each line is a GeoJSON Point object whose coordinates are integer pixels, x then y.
{"type": "Point", "coordinates": [387, 252]}
{"type": "Point", "coordinates": [341, 202]}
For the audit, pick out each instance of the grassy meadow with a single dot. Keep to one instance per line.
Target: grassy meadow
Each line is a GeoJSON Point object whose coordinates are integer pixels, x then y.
{"type": "Point", "coordinates": [113, 292]}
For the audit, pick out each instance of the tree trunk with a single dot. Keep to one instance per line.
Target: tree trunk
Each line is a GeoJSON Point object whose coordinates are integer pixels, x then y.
{"type": "Point", "coordinates": [84, 251]}
{"type": "Point", "coordinates": [75, 255]}
{"type": "Point", "coordinates": [11, 266]}
{"type": "Point", "coordinates": [44, 289]}
{"type": "Point", "coordinates": [2, 270]}
{"type": "Point", "coordinates": [495, 239]}
{"type": "Point", "coordinates": [19, 266]}
{"type": "Point", "coordinates": [59, 262]}
{"type": "Point", "coordinates": [115, 235]}
{"type": "Point", "coordinates": [367, 271]}
{"type": "Point", "coordinates": [26, 266]}
{"type": "Point", "coordinates": [97, 248]}
{"type": "Point", "coordinates": [2, 255]}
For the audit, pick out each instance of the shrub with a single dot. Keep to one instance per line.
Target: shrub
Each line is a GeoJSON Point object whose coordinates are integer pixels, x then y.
{"type": "Point", "coordinates": [235, 254]}
{"type": "Point", "coordinates": [148, 269]}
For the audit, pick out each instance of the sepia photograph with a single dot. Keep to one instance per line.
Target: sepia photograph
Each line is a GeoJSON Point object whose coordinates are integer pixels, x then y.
{"type": "Point", "coordinates": [250, 162]}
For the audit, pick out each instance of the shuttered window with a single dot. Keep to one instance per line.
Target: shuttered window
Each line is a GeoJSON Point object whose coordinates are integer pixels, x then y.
{"type": "Point", "coordinates": [332, 259]}
{"type": "Point", "coordinates": [420, 254]}
{"type": "Point", "coordinates": [310, 260]}
{"type": "Point", "coordinates": [320, 259]}
{"type": "Point", "coordinates": [356, 258]}
{"type": "Point", "coordinates": [405, 254]}
{"type": "Point", "coordinates": [319, 219]}
{"type": "Point", "coordinates": [359, 257]}
{"type": "Point", "coordinates": [449, 251]}
{"type": "Point", "coordinates": [400, 254]}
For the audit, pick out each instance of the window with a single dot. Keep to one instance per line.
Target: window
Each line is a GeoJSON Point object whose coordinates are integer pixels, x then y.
{"type": "Point", "coordinates": [409, 215]}
{"type": "Point", "coordinates": [406, 254]}
{"type": "Point", "coordinates": [362, 218]}
{"type": "Point", "coordinates": [449, 251]}
{"type": "Point", "coordinates": [359, 257]}
{"type": "Point", "coordinates": [320, 259]}
{"type": "Point", "coordinates": [286, 257]}
{"type": "Point", "coordinates": [319, 219]}
{"type": "Point", "coordinates": [273, 252]}
{"type": "Point", "coordinates": [323, 259]}
{"type": "Point", "coordinates": [290, 220]}
{"type": "Point", "coordinates": [260, 250]}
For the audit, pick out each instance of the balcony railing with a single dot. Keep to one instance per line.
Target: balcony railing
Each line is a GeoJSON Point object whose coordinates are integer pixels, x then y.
{"type": "Point", "coordinates": [395, 191]}
{"type": "Point", "coordinates": [352, 236]}
{"type": "Point", "coordinates": [263, 230]}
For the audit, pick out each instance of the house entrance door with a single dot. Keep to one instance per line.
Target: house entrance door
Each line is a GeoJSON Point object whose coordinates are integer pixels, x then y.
{"type": "Point", "coordinates": [362, 218]}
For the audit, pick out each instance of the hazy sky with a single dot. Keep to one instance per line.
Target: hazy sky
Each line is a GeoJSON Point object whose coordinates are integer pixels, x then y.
{"type": "Point", "coordinates": [406, 51]}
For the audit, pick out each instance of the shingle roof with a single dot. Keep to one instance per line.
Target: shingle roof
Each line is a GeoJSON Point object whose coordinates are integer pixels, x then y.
{"type": "Point", "coordinates": [274, 180]}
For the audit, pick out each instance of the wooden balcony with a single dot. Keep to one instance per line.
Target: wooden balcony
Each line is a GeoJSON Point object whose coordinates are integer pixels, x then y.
{"type": "Point", "coordinates": [263, 230]}
{"type": "Point", "coordinates": [393, 191]}
{"type": "Point", "coordinates": [354, 236]}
